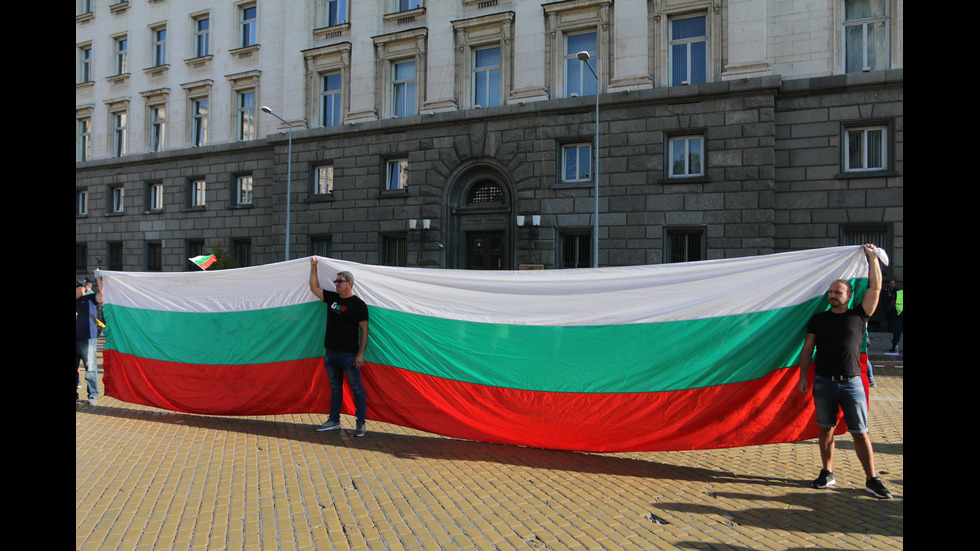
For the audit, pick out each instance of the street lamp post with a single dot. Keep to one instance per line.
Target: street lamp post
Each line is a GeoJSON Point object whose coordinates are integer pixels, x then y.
{"type": "Point", "coordinates": [584, 57]}
{"type": "Point", "coordinates": [289, 173]}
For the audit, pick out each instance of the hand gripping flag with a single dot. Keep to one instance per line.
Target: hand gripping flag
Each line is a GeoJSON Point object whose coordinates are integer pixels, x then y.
{"type": "Point", "coordinates": [641, 358]}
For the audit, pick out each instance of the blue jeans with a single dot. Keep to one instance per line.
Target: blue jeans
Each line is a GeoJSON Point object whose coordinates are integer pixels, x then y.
{"type": "Point", "coordinates": [847, 396]}
{"type": "Point", "coordinates": [85, 350]}
{"type": "Point", "coordinates": [338, 364]}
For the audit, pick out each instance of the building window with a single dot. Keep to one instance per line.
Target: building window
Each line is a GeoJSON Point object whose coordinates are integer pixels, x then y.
{"type": "Point", "coordinates": [243, 190]}
{"type": "Point", "coordinates": [394, 250]}
{"type": "Point", "coordinates": [403, 89]}
{"type": "Point", "coordinates": [246, 128]}
{"type": "Point", "coordinates": [399, 71]}
{"type": "Point", "coordinates": [579, 81]}
{"type": "Point", "coordinates": [576, 162]}
{"type": "Point", "coordinates": [485, 193]}
{"type": "Point", "coordinates": [396, 174]}
{"type": "Point", "coordinates": [684, 244]}
{"type": "Point", "coordinates": [158, 127]}
{"type": "Point", "coordinates": [688, 50]}
{"type": "Point", "coordinates": [81, 202]}
{"type": "Point", "coordinates": [405, 5]}
{"type": "Point", "coordinates": [81, 257]}
{"type": "Point", "coordinates": [119, 131]}
{"type": "Point", "coordinates": [84, 139]}
{"type": "Point", "coordinates": [121, 55]}
{"type": "Point", "coordinates": [154, 257]}
{"type": "Point", "coordinates": [865, 35]}
{"type": "Point", "coordinates": [199, 122]}
{"type": "Point", "coordinates": [486, 77]}
{"type": "Point", "coordinates": [576, 250]}
{"type": "Point", "coordinates": [865, 149]}
{"type": "Point", "coordinates": [202, 36]}
{"type": "Point", "coordinates": [336, 12]}
{"type": "Point", "coordinates": [85, 64]}
{"type": "Point", "coordinates": [330, 103]}
{"type": "Point", "coordinates": [249, 26]}
{"type": "Point", "coordinates": [321, 246]}
{"type": "Point", "coordinates": [197, 193]}
{"type": "Point", "coordinates": [154, 196]}
{"type": "Point", "coordinates": [114, 254]}
{"type": "Point", "coordinates": [117, 198]}
{"type": "Point", "coordinates": [243, 253]}
{"type": "Point", "coordinates": [686, 156]}
{"type": "Point", "coordinates": [159, 46]}
{"type": "Point", "coordinates": [323, 180]}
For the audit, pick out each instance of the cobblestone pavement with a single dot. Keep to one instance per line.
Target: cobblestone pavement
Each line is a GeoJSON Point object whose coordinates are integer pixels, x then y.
{"type": "Point", "coordinates": [158, 480]}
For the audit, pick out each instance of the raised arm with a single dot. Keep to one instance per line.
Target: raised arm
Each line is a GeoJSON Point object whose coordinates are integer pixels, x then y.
{"type": "Point", "coordinates": [314, 280]}
{"type": "Point", "coordinates": [870, 300]}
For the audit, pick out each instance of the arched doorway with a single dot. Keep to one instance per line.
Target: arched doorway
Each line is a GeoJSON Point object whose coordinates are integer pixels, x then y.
{"type": "Point", "coordinates": [480, 204]}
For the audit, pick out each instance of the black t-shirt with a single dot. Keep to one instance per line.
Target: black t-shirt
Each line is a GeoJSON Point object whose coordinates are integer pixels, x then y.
{"type": "Point", "coordinates": [343, 317]}
{"type": "Point", "coordinates": [839, 341]}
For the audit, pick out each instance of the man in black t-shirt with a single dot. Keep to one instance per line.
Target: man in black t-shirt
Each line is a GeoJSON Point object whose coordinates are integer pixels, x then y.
{"type": "Point", "coordinates": [344, 341]}
{"type": "Point", "coordinates": [837, 334]}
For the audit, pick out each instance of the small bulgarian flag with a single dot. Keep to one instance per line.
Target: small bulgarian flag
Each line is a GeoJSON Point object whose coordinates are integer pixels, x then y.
{"type": "Point", "coordinates": [203, 261]}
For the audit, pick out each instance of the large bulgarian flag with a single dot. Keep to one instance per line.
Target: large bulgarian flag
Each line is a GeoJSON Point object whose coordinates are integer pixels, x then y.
{"type": "Point", "coordinates": [643, 358]}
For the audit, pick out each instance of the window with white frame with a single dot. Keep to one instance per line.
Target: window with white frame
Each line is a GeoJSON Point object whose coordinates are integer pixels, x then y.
{"type": "Point", "coordinates": [120, 52]}
{"type": "Point", "coordinates": [202, 35]}
{"type": "Point", "coordinates": [865, 35]}
{"type": "Point", "coordinates": [686, 154]}
{"type": "Point", "coordinates": [245, 127]}
{"type": "Point", "coordinates": [85, 63]}
{"type": "Point", "coordinates": [684, 244]}
{"type": "Point", "coordinates": [199, 121]}
{"type": "Point", "coordinates": [405, 5]}
{"type": "Point", "coordinates": [243, 190]}
{"type": "Point", "coordinates": [688, 50]}
{"type": "Point", "coordinates": [197, 193]}
{"type": "Point", "coordinates": [331, 99]}
{"type": "Point", "coordinates": [576, 162]}
{"type": "Point", "coordinates": [248, 25]}
{"type": "Point", "coordinates": [579, 80]}
{"type": "Point", "coordinates": [117, 196]}
{"type": "Point", "coordinates": [159, 36]}
{"type": "Point", "coordinates": [486, 77]}
{"type": "Point", "coordinates": [335, 12]}
{"type": "Point", "coordinates": [158, 127]}
{"type": "Point", "coordinates": [403, 89]}
{"type": "Point", "coordinates": [396, 174]}
{"type": "Point", "coordinates": [81, 202]}
{"type": "Point", "coordinates": [323, 180]}
{"type": "Point", "coordinates": [154, 196]}
{"type": "Point", "coordinates": [399, 72]}
{"type": "Point", "coordinates": [865, 148]}
{"type": "Point", "coordinates": [119, 132]}
{"type": "Point", "coordinates": [84, 139]}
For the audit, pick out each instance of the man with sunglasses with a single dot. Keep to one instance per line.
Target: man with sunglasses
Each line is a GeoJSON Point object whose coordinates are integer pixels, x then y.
{"type": "Point", "coordinates": [345, 340]}
{"type": "Point", "coordinates": [837, 335]}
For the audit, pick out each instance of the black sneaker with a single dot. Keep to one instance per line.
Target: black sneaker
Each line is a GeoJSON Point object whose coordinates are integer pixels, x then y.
{"type": "Point", "coordinates": [825, 479]}
{"type": "Point", "coordinates": [361, 430]}
{"type": "Point", "coordinates": [874, 486]}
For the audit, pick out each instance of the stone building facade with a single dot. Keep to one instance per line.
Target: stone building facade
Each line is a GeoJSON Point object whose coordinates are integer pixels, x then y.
{"type": "Point", "coordinates": [771, 145]}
